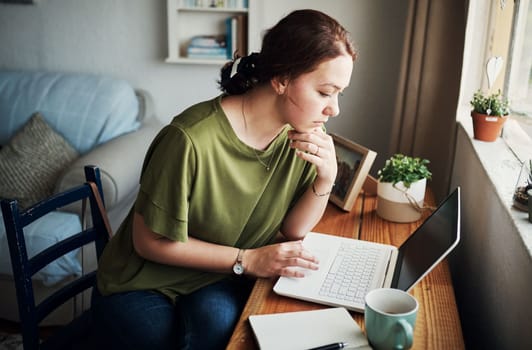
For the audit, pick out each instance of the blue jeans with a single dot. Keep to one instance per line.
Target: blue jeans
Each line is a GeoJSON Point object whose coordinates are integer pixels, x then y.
{"type": "Point", "coordinates": [204, 319]}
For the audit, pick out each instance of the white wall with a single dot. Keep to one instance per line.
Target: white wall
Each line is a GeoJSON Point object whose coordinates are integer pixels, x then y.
{"type": "Point", "coordinates": [128, 39]}
{"type": "Point", "coordinates": [122, 38]}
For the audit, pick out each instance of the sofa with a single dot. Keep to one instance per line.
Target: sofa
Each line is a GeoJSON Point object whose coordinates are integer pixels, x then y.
{"type": "Point", "coordinates": [52, 124]}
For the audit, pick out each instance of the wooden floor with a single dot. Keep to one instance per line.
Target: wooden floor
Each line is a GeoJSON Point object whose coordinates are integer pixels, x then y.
{"type": "Point", "coordinates": [14, 328]}
{"type": "Point", "coordinates": [9, 327]}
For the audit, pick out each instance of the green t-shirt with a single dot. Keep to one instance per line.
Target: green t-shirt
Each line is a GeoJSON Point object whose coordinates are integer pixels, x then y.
{"type": "Point", "coordinates": [200, 180]}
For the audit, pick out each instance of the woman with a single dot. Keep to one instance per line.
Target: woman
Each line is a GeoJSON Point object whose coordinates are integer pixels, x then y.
{"type": "Point", "coordinates": [218, 185]}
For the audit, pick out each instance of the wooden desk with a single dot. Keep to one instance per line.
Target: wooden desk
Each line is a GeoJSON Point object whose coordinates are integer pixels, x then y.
{"type": "Point", "coordinates": [437, 325]}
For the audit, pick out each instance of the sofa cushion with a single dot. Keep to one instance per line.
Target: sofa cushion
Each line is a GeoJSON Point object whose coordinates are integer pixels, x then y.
{"type": "Point", "coordinates": [41, 234]}
{"type": "Point", "coordinates": [32, 161]}
{"type": "Point", "coordinates": [86, 109]}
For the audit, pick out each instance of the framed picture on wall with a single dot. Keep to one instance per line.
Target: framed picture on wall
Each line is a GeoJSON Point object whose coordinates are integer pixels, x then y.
{"type": "Point", "coordinates": [354, 162]}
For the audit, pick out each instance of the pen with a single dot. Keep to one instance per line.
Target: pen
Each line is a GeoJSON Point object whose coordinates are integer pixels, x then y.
{"type": "Point", "coordinates": [333, 346]}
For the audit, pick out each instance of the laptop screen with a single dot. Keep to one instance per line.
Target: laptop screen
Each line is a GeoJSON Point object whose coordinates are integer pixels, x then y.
{"type": "Point", "coordinates": [429, 244]}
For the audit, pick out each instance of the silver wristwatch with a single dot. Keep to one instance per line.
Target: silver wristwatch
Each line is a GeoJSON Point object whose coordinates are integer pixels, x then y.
{"type": "Point", "coordinates": [238, 269]}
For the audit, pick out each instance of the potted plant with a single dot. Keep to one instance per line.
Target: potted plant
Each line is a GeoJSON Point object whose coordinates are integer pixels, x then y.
{"type": "Point", "coordinates": [489, 113]}
{"type": "Point", "coordinates": [401, 188]}
{"type": "Point", "coordinates": [524, 184]}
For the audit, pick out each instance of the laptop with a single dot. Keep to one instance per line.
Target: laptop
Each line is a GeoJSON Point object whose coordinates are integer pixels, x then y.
{"type": "Point", "coordinates": [344, 277]}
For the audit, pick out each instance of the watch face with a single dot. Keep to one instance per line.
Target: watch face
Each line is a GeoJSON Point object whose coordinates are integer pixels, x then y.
{"type": "Point", "coordinates": [238, 269]}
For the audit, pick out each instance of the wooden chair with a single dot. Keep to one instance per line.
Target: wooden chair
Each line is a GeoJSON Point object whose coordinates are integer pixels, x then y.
{"type": "Point", "coordinates": [15, 219]}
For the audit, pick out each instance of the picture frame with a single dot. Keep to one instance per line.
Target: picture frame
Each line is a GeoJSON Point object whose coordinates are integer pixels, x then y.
{"type": "Point", "coordinates": [354, 162]}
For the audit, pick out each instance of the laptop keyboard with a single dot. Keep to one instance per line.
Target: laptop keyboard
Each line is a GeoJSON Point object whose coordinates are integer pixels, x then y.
{"type": "Point", "coordinates": [351, 275]}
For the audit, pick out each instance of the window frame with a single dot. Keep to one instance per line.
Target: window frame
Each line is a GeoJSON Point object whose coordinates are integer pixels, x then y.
{"type": "Point", "coordinates": [485, 39]}
{"type": "Point", "coordinates": [516, 44]}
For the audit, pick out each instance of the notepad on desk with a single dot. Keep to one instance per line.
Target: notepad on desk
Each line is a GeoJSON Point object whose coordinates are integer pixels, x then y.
{"type": "Point", "coordinates": [307, 329]}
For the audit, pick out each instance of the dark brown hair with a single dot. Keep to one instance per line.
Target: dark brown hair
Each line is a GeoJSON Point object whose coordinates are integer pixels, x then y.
{"type": "Point", "coordinates": [297, 44]}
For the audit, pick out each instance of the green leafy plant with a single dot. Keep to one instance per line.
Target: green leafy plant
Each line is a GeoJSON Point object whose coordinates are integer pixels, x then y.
{"type": "Point", "coordinates": [494, 104]}
{"type": "Point", "coordinates": [404, 168]}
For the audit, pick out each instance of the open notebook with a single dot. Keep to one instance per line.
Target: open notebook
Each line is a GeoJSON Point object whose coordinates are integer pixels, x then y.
{"type": "Point", "coordinates": [307, 329]}
{"type": "Point", "coordinates": [350, 268]}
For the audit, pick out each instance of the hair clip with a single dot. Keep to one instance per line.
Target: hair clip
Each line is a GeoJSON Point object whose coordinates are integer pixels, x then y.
{"type": "Point", "coordinates": [234, 68]}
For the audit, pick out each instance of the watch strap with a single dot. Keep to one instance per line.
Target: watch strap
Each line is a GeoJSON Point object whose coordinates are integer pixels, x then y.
{"type": "Point", "coordinates": [239, 256]}
{"type": "Point", "coordinates": [238, 269]}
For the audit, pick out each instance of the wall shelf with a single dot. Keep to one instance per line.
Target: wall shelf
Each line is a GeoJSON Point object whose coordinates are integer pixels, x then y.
{"type": "Point", "coordinates": [212, 9]}
{"type": "Point", "coordinates": [186, 22]}
{"type": "Point", "coordinates": [186, 60]}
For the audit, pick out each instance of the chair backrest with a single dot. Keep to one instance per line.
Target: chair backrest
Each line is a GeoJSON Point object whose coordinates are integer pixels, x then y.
{"type": "Point", "coordinates": [15, 220]}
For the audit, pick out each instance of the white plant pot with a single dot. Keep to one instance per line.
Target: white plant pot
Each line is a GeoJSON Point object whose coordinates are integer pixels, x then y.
{"type": "Point", "coordinates": [394, 205]}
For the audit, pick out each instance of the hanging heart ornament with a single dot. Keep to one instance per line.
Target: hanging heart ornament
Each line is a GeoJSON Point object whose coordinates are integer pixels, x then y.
{"type": "Point", "coordinates": [493, 68]}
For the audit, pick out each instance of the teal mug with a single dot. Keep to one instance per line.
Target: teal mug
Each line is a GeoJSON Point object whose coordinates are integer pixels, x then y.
{"type": "Point", "coordinates": [390, 317]}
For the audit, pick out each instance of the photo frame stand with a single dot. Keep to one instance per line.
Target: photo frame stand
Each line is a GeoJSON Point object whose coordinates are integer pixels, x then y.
{"type": "Point", "coordinates": [354, 162]}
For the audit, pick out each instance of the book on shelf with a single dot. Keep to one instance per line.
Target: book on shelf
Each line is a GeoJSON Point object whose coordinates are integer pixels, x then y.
{"type": "Point", "coordinates": [207, 56]}
{"type": "Point", "coordinates": [230, 4]}
{"type": "Point", "coordinates": [236, 35]}
{"type": "Point", "coordinates": [238, 4]}
{"type": "Point", "coordinates": [207, 53]}
{"type": "Point", "coordinates": [231, 28]}
{"type": "Point", "coordinates": [218, 51]}
{"type": "Point", "coordinates": [207, 47]}
{"type": "Point", "coordinates": [208, 41]}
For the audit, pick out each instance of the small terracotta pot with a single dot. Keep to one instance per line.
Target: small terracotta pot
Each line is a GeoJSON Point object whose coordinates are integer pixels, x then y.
{"type": "Point", "coordinates": [487, 127]}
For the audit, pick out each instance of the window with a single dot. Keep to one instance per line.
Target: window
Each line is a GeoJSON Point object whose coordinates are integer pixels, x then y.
{"type": "Point", "coordinates": [518, 82]}
{"type": "Point", "coordinates": [508, 28]}
{"type": "Point", "coordinates": [519, 85]}
{"type": "Point", "coordinates": [501, 28]}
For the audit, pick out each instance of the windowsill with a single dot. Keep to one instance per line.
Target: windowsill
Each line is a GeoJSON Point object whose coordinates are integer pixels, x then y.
{"type": "Point", "coordinates": [503, 164]}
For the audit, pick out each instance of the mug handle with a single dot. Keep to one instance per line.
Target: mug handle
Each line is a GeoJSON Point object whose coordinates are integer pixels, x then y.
{"type": "Point", "coordinates": [407, 334]}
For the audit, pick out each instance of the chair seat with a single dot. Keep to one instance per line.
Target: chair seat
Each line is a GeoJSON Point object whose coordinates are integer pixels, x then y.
{"type": "Point", "coordinates": [40, 235]}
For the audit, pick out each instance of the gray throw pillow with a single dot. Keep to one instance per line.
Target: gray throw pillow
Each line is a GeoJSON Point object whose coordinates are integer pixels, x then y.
{"type": "Point", "coordinates": [32, 161]}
